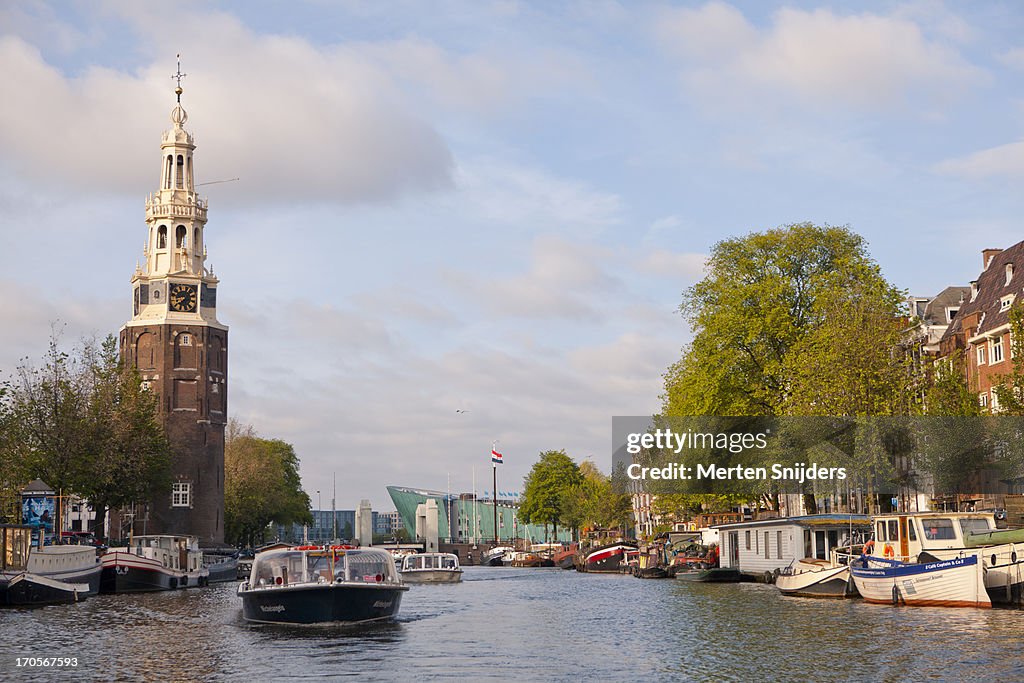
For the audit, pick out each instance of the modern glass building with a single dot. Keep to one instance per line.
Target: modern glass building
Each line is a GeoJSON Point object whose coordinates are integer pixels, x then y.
{"type": "Point", "coordinates": [471, 519]}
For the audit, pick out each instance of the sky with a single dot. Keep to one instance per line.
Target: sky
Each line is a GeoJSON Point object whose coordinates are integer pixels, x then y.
{"type": "Point", "coordinates": [488, 207]}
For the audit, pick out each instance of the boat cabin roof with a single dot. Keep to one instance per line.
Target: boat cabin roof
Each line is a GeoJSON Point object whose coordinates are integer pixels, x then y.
{"type": "Point", "coordinates": [806, 521]}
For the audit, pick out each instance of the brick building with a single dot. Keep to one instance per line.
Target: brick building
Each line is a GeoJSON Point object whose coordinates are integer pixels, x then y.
{"type": "Point", "coordinates": [981, 329]}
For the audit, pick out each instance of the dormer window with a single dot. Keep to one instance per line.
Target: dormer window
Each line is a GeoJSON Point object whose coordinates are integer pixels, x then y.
{"type": "Point", "coordinates": [1006, 302]}
{"type": "Point", "coordinates": [974, 290]}
{"type": "Point", "coordinates": [1009, 273]}
{"type": "Point", "coordinates": [951, 313]}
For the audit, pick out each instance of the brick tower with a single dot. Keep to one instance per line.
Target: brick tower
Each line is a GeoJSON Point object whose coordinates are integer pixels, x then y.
{"type": "Point", "coordinates": [178, 345]}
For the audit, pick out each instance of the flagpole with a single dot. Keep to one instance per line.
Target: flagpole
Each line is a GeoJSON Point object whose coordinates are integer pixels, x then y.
{"type": "Point", "coordinates": [476, 510]}
{"type": "Point", "coordinates": [494, 492]}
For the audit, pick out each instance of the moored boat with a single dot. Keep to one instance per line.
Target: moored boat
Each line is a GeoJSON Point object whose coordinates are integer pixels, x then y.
{"type": "Point", "coordinates": [20, 587]}
{"type": "Point", "coordinates": [608, 558]}
{"type": "Point", "coordinates": [930, 537]}
{"type": "Point", "coordinates": [154, 563]}
{"type": "Point", "coordinates": [322, 586]}
{"type": "Point", "coordinates": [430, 568]}
{"type": "Point", "coordinates": [710, 575]}
{"type": "Point", "coordinates": [814, 578]}
{"type": "Point", "coordinates": [957, 582]}
{"type": "Point", "coordinates": [77, 564]}
{"type": "Point", "coordinates": [221, 567]}
{"type": "Point", "coordinates": [495, 557]}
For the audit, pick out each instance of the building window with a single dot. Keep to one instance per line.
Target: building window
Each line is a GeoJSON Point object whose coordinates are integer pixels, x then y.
{"type": "Point", "coordinates": [951, 313]}
{"type": "Point", "coordinates": [186, 339]}
{"type": "Point", "coordinates": [161, 237]}
{"type": "Point", "coordinates": [1006, 302]}
{"type": "Point", "coordinates": [981, 354]}
{"type": "Point", "coordinates": [181, 494]}
{"type": "Point", "coordinates": [778, 544]}
{"type": "Point", "coordinates": [983, 399]}
{"type": "Point", "coordinates": [746, 536]}
{"type": "Point", "coordinates": [997, 350]}
{"type": "Point", "coordinates": [995, 399]}
{"type": "Point", "coordinates": [767, 548]}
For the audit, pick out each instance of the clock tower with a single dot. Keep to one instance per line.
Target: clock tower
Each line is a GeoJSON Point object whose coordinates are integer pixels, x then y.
{"type": "Point", "coordinates": [179, 346]}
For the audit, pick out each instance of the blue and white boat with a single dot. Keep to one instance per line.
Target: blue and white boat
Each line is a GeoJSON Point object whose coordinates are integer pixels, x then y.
{"type": "Point", "coordinates": [956, 582]}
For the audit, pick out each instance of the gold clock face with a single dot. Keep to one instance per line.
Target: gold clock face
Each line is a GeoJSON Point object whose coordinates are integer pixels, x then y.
{"type": "Point", "coordinates": [183, 298]}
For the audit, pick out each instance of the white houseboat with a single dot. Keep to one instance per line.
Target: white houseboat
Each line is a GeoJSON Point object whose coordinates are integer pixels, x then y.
{"type": "Point", "coordinates": [762, 549]}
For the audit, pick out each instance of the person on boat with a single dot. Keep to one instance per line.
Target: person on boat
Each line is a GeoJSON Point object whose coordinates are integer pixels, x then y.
{"type": "Point", "coordinates": [712, 557]}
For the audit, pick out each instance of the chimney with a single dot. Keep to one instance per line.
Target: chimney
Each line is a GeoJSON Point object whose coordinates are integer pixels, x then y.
{"type": "Point", "coordinates": [986, 256]}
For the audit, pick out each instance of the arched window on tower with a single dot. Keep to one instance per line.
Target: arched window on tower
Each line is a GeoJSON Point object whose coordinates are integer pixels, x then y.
{"type": "Point", "coordinates": [179, 176]}
{"type": "Point", "coordinates": [180, 235]}
{"type": "Point", "coordinates": [168, 169]}
{"type": "Point", "coordinates": [161, 237]}
{"type": "Point", "coordinates": [188, 183]}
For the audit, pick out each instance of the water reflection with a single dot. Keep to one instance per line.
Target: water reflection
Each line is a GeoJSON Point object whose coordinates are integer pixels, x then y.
{"type": "Point", "coordinates": [529, 624]}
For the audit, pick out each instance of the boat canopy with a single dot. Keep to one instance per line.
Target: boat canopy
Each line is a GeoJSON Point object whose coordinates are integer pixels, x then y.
{"type": "Point", "coordinates": [292, 566]}
{"type": "Point", "coordinates": [430, 561]}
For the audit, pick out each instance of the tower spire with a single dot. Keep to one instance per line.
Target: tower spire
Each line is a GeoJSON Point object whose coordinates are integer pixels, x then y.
{"type": "Point", "coordinates": [178, 76]}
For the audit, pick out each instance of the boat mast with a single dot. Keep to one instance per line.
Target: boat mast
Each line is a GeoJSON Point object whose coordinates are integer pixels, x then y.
{"type": "Point", "coordinates": [494, 491]}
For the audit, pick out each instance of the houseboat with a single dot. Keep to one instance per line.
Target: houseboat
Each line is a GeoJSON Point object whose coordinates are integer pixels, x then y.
{"type": "Point", "coordinates": [154, 563]}
{"type": "Point", "coordinates": [430, 568]}
{"type": "Point", "coordinates": [78, 564]}
{"type": "Point", "coordinates": [322, 585]}
{"type": "Point", "coordinates": [927, 538]}
{"type": "Point", "coordinates": [763, 549]}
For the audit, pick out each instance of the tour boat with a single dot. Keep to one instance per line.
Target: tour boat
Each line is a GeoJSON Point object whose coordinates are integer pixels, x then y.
{"type": "Point", "coordinates": [154, 563]}
{"type": "Point", "coordinates": [20, 587]}
{"type": "Point", "coordinates": [928, 538]}
{"type": "Point", "coordinates": [69, 563]}
{"type": "Point", "coordinates": [814, 578]}
{"type": "Point", "coordinates": [608, 558]}
{"type": "Point", "coordinates": [431, 568]}
{"type": "Point", "coordinates": [322, 585]}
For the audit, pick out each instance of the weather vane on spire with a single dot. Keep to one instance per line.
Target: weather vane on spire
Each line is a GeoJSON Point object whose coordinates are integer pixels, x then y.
{"type": "Point", "coordinates": [178, 76]}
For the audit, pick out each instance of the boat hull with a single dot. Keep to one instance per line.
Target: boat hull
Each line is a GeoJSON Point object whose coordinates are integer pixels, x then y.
{"type": "Point", "coordinates": [127, 573]}
{"type": "Point", "coordinates": [713, 575]}
{"type": "Point", "coordinates": [607, 559]}
{"type": "Point", "coordinates": [221, 569]}
{"type": "Point", "coordinates": [322, 604]}
{"type": "Point", "coordinates": [432, 576]}
{"type": "Point", "coordinates": [829, 582]}
{"type": "Point", "coordinates": [957, 582]}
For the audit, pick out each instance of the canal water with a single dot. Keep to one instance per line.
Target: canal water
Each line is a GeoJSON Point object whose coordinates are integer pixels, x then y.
{"type": "Point", "coordinates": [525, 625]}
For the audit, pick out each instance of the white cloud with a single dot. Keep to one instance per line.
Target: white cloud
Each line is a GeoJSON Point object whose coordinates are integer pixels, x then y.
{"type": "Point", "coordinates": [293, 121]}
{"type": "Point", "coordinates": [1003, 160]}
{"type": "Point", "coordinates": [684, 266]}
{"type": "Point", "coordinates": [865, 61]}
{"type": "Point", "coordinates": [1013, 58]}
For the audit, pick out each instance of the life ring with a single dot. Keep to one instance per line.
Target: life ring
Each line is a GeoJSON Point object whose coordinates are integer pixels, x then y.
{"type": "Point", "coordinates": [309, 547]}
{"type": "Point", "coordinates": [868, 547]}
{"type": "Point", "coordinates": [889, 552]}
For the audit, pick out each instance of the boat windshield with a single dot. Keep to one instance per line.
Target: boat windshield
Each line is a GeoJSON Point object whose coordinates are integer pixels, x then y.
{"type": "Point", "coordinates": [284, 567]}
{"type": "Point", "coordinates": [973, 525]}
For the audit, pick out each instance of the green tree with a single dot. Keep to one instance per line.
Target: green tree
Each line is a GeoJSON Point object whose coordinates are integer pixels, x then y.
{"type": "Point", "coordinates": [1010, 386]}
{"type": "Point", "coordinates": [763, 293]}
{"type": "Point", "coordinates": [128, 456]}
{"type": "Point", "coordinates": [545, 488]}
{"type": "Point", "coordinates": [261, 485]}
{"type": "Point", "coordinates": [83, 424]}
